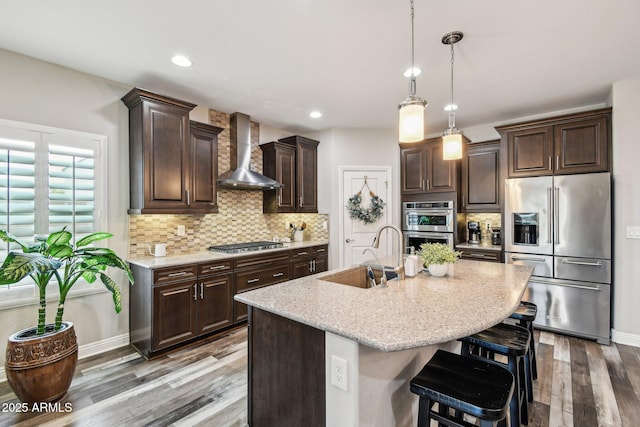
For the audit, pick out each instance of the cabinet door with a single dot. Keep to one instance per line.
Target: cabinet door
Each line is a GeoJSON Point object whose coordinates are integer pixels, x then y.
{"type": "Point", "coordinates": [480, 178]}
{"type": "Point", "coordinates": [203, 170]}
{"type": "Point", "coordinates": [481, 255]}
{"type": "Point", "coordinates": [174, 314]}
{"type": "Point", "coordinates": [321, 264]}
{"type": "Point", "coordinates": [582, 146]}
{"type": "Point", "coordinates": [301, 268]}
{"type": "Point", "coordinates": [286, 175]}
{"type": "Point", "coordinates": [307, 181]}
{"type": "Point", "coordinates": [165, 156]}
{"type": "Point", "coordinates": [413, 167]}
{"type": "Point", "coordinates": [531, 152]}
{"type": "Point", "coordinates": [215, 310]}
{"type": "Point", "coordinates": [441, 174]}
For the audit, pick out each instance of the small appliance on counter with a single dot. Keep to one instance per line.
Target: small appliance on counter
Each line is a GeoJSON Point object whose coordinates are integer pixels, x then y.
{"type": "Point", "coordinates": [474, 232]}
{"type": "Point", "coordinates": [496, 238]}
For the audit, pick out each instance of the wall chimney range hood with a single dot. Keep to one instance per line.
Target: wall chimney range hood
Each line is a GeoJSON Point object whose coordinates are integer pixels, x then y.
{"type": "Point", "coordinates": [242, 177]}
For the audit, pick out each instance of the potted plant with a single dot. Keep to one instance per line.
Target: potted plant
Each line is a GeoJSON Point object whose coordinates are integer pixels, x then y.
{"type": "Point", "coordinates": [41, 360]}
{"type": "Point", "coordinates": [437, 257]}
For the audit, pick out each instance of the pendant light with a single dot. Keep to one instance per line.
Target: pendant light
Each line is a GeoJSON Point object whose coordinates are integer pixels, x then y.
{"type": "Point", "coordinates": [412, 109]}
{"type": "Point", "coordinates": [452, 137]}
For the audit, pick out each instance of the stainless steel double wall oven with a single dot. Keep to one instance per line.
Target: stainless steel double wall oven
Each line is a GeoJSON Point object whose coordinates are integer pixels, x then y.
{"type": "Point", "coordinates": [428, 222]}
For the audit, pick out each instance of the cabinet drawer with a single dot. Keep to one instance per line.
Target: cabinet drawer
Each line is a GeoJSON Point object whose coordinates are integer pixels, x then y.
{"type": "Point", "coordinates": [260, 260]}
{"type": "Point", "coordinates": [309, 251]}
{"type": "Point", "coordinates": [258, 278]}
{"type": "Point", "coordinates": [172, 274]}
{"type": "Point", "coordinates": [216, 267]}
{"type": "Point", "coordinates": [493, 256]}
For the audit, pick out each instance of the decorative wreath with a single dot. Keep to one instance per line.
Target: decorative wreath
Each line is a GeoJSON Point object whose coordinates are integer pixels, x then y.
{"type": "Point", "coordinates": [369, 215]}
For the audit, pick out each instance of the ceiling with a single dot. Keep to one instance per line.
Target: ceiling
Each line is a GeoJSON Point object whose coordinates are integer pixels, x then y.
{"type": "Point", "coordinates": [277, 60]}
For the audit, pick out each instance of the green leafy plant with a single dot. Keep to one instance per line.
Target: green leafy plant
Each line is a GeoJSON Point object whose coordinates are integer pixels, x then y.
{"type": "Point", "coordinates": [57, 257]}
{"type": "Point", "coordinates": [437, 253]}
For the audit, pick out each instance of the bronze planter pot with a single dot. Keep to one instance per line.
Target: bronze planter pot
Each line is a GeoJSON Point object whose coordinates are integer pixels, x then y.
{"type": "Point", "coordinates": [40, 368]}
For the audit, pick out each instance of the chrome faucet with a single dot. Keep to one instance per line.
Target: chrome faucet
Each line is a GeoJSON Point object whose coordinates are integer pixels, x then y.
{"type": "Point", "coordinates": [372, 280]}
{"type": "Point", "coordinates": [399, 268]}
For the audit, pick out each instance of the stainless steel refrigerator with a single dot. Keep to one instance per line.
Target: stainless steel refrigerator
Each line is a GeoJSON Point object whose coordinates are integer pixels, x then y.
{"type": "Point", "coordinates": [561, 226]}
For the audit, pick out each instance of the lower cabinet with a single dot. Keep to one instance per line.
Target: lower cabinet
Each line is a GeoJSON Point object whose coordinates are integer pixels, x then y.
{"type": "Point", "coordinates": [482, 255]}
{"type": "Point", "coordinates": [308, 261]}
{"type": "Point", "coordinates": [176, 304]}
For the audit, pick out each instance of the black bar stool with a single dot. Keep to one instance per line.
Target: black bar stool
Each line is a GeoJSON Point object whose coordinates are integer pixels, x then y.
{"type": "Point", "coordinates": [471, 386]}
{"type": "Point", "coordinates": [513, 342]}
{"type": "Point", "coordinates": [525, 314]}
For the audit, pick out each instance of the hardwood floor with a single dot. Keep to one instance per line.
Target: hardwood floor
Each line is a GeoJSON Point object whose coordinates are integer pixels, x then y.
{"type": "Point", "coordinates": [580, 383]}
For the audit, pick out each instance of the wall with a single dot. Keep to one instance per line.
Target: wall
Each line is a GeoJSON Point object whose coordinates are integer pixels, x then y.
{"type": "Point", "coordinates": [353, 147]}
{"type": "Point", "coordinates": [626, 152]}
{"type": "Point", "coordinates": [36, 92]}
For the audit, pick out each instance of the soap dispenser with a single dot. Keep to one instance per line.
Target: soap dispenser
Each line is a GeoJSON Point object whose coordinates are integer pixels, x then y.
{"type": "Point", "coordinates": [412, 263]}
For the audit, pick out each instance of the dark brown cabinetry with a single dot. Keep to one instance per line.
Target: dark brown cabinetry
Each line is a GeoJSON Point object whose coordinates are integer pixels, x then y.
{"type": "Point", "coordinates": [171, 168]}
{"type": "Point", "coordinates": [575, 143]}
{"type": "Point", "coordinates": [311, 260]}
{"type": "Point", "coordinates": [481, 187]}
{"type": "Point", "coordinates": [423, 170]}
{"type": "Point", "coordinates": [292, 161]}
{"type": "Point", "coordinates": [257, 271]}
{"type": "Point", "coordinates": [175, 304]}
{"type": "Point", "coordinates": [481, 255]}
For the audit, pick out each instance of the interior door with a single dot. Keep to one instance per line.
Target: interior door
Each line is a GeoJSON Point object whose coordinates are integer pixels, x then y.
{"type": "Point", "coordinates": [356, 235]}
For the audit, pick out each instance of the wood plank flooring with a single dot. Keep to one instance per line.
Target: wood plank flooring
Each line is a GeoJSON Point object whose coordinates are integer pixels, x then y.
{"type": "Point", "coordinates": [580, 383]}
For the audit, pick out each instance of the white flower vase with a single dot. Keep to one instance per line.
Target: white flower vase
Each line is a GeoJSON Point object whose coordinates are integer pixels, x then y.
{"type": "Point", "coordinates": [298, 235]}
{"type": "Point", "coordinates": [438, 270]}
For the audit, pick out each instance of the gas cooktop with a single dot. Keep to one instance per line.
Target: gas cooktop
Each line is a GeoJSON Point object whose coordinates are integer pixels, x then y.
{"type": "Point", "coordinates": [236, 248]}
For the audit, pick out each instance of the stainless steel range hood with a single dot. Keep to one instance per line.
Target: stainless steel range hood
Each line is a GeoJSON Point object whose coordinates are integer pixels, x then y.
{"type": "Point", "coordinates": [242, 177]}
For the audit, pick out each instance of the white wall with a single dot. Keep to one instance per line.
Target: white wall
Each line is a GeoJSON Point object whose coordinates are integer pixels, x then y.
{"type": "Point", "coordinates": [353, 147]}
{"type": "Point", "coordinates": [37, 92]}
{"type": "Point", "coordinates": [626, 155]}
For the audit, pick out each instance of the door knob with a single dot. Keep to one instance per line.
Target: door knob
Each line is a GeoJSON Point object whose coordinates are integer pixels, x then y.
{"type": "Point", "coordinates": [349, 240]}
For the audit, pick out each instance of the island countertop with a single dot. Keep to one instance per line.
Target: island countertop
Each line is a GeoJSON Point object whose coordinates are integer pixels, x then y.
{"type": "Point", "coordinates": [415, 312]}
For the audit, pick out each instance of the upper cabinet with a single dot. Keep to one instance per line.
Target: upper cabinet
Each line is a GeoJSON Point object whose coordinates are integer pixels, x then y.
{"type": "Point", "coordinates": [173, 163]}
{"type": "Point", "coordinates": [481, 177]}
{"type": "Point", "coordinates": [575, 143]}
{"type": "Point", "coordinates": [423, 171]}
{"type": "Point", "coordinates": [293, 162]}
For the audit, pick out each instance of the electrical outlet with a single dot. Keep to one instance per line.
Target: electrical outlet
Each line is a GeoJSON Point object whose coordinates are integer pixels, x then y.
{"type": "Point", "coordinates": [324, 225]}
{"type": "Point", "coordinates": [181, 231]}
{"type": "Point", "coordinates": [286, 225]}
{"type": "Point", "coordinates": [339, 372]}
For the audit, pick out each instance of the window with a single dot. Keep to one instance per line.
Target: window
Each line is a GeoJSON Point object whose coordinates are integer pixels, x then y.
{"type": "Point", "coordinates": [49, 179]}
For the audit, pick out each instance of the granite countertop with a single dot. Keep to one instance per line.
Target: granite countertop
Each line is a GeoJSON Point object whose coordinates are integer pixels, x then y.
{"type": "Point", "coordinates": [170, 260]}
{"type": "Point", "coordinates": [483, 246]}
{"type": "Point", "coordinates": [410, 313]}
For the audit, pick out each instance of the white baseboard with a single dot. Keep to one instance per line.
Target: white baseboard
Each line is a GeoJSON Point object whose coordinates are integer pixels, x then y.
{"type": "Point", "coordinates": [625, 338]}
{"type": "Point", "coordinates": [91, 349]}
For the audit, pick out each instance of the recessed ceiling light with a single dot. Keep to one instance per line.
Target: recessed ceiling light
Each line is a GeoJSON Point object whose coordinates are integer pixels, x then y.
{"type": "Point", "coordinates": [315, 114]}
{"type": "Point", "coordinates": [416, 72]}
{"type": "Point", "coordinates": [450, 107]}
{"type": "Point", "coordinates": [181, 61]}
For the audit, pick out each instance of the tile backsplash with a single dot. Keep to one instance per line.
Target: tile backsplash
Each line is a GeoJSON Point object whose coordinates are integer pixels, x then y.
{"type": "Point", "coordinates": [485, 218]}
{"type": "Point", "coordinates": [240, 217]}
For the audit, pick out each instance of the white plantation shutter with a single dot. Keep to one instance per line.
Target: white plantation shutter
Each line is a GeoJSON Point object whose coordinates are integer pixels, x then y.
{"type": "Point", "coordinates": [49, 179]}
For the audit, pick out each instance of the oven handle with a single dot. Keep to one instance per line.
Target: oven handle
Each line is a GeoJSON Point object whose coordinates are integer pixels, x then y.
{"type": "Point", "coordinates": [428, 212]}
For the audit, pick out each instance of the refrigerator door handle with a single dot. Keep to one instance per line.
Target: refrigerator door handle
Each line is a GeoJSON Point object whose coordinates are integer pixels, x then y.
{"type": "Point", "coordinates": [549, 213]}
{"type": "Point", "coordinates": [518, 258]}
{"type": "Point", "coordinates": [591, 264]}
{"type": "Point", "coordinates": [556, 213]}
{"type": "Point", "coordinates": [588, 288]}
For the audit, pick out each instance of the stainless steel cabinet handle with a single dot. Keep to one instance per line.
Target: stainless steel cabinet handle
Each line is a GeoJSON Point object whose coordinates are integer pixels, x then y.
{"type": "Point", "coordinates": [550, 162]}
{"type": "Point", "coordinates": [188, 198]}
{"type": "Point", "coordinates": [556, 212]}
{"type": "Point", "coordinates": [182, 273]}
{"type": "Point", "coordinates": [195, 292]}
{"type": "Point", "coordinates": [279, 199]}
{"type": "Point", "coordinates": [300, 201]}
{"type": "Point", "coordinates": [463, 203]}
{"type": "Point", "coordinates": [424, 185]}
{"type": "Point", "coordinates": [518, 258]}
{"type": "Point", "coordinates": [319, 250]}
{"type": "Point", "coordinates": [302, 253]}
{"type": "Point", "coordinates": [478, 255]}
{"type": "Point", "coordinates": [590, 264]}
{"type": "Point", "coordinates": [253, 280]}
{"type": "Point", "coordinates": [557, 162]}
{"type": "Point", "coordinates": [278, 274]}
{"type": "Point", "coordinates": [549, 210]}
{"type": "Point", "coordinates": [218, 267]}
{"type": "Point", "coordinates": [201, 290]}
{"type": "Point", "coordinates": [427, 184]}
{"type": "Point", "coordinates": [314, 265]}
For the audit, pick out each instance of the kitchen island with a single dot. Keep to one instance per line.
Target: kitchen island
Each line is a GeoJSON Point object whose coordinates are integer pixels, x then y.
{"type": "Point", "coordinates": [308, 333]}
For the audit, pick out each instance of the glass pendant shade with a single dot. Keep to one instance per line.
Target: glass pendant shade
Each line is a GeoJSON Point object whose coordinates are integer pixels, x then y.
{"type": "Point", "coordinates": [412, 119]}
{"type": "Point", "coordinates": [452, 146]}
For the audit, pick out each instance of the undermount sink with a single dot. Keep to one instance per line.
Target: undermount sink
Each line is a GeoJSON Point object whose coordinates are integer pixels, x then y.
{"type": "Point", "coordinates": [356, 276]}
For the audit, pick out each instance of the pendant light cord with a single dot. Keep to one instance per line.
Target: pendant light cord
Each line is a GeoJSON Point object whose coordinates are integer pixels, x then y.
{"type": "Point", "coordinates": [452, 111]}
{"type": "Point", "coordinates": [412, 83]}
